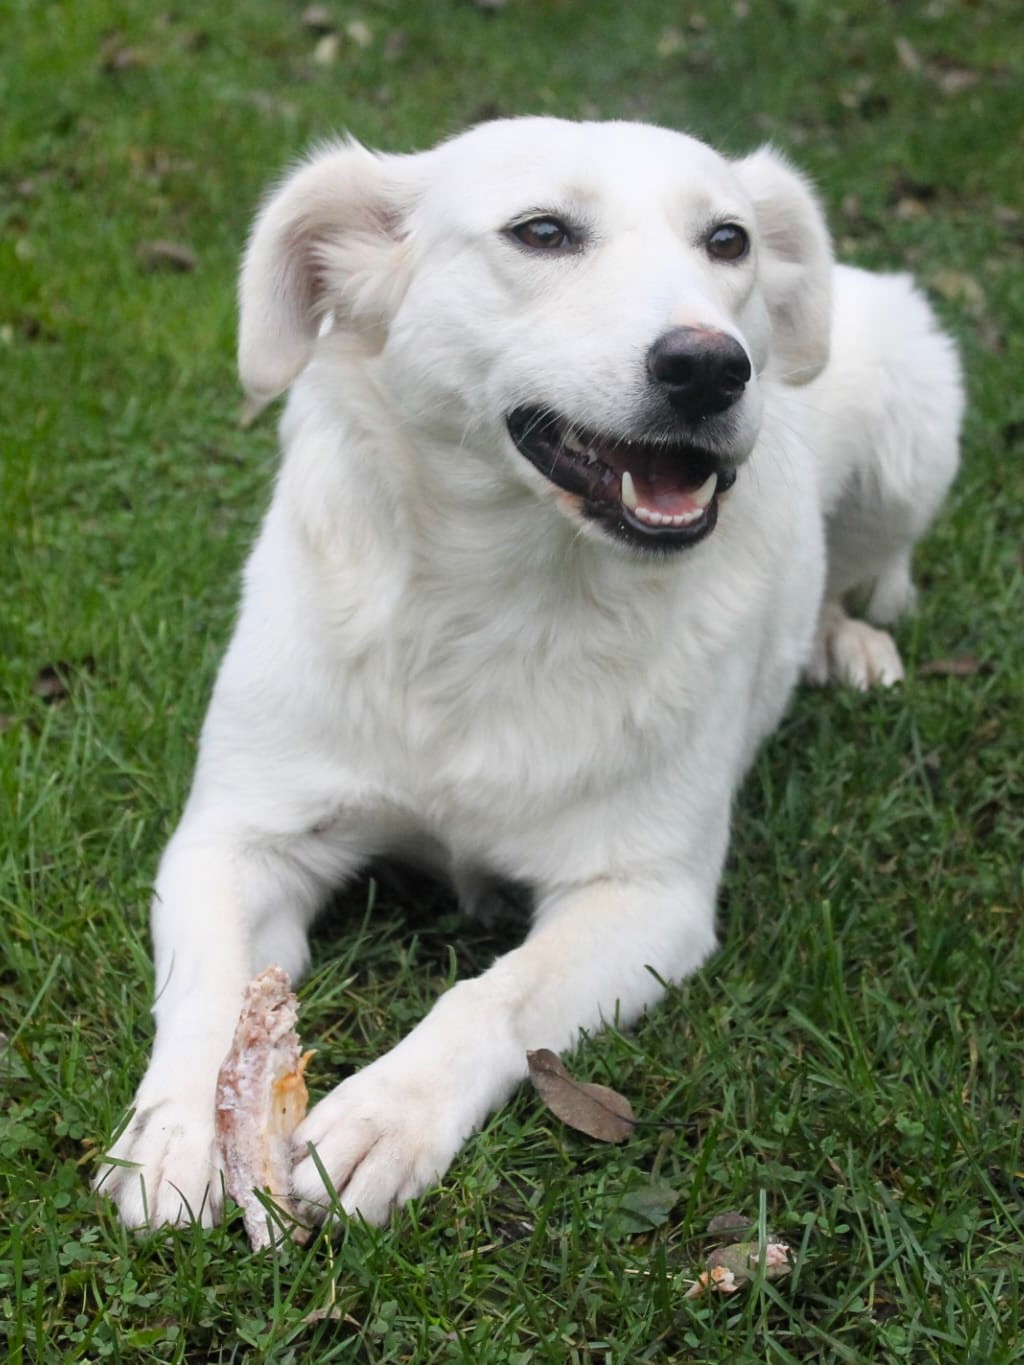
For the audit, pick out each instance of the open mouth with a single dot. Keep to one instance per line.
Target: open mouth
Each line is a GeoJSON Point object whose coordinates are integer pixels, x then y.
{"type": "Point", "coordinates": [659, 494]}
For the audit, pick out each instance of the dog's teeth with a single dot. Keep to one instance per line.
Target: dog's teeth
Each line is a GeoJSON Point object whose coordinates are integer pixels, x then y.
{"type": "Point", "coordinates": [572, 442]}
{"type": "Point", "coordinates": [706, 491]}
{"type": "Point", "coordinates": [628, 493]}
{"type": "Point", "coordinates": [652, 518]}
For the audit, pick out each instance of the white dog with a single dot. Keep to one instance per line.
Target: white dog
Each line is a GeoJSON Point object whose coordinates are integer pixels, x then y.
{"type": "Point", "coordinates": [546, 556]}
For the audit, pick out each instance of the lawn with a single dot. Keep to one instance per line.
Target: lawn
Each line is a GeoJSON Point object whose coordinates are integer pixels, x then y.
{"type": "Point", "coordinates": [847, 1072]}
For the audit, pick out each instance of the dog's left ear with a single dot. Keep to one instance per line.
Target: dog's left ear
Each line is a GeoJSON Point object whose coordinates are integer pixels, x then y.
{"type": "Point", "coordinates": [795, 262]}
{"type": "Point", "coordinates": [330, 242]}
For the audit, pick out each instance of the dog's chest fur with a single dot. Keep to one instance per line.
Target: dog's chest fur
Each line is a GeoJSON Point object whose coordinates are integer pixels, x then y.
{"type": "Point", "coordinates": [487, 677]}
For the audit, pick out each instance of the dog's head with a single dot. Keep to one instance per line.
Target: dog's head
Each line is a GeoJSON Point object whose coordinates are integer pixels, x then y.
{"type": "Point", "coordinates": [597, 307]}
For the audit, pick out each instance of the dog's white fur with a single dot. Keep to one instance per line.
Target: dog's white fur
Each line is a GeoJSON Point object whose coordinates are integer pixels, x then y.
{"type": "Point", "coordinates": [438, 656]}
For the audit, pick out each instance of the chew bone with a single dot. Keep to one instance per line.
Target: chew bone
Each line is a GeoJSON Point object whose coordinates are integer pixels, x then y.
{"type": "Point", "coordinates": [261, 1099]}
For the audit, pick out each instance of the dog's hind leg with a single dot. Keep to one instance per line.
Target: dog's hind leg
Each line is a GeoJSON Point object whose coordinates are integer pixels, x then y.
{"type": "Point", "coordinates": [893, 594]}
{"type": "Point", "coordinates": [890, 404]}
{"type": "Point", "coordinates": [853, 652]}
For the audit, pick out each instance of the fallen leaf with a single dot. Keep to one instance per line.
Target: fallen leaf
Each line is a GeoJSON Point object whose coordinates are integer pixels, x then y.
{"type": "Point", "coordinates": [730, 1222]}
{"type": "Point", "coordinates": [642, 1209]}
{"type": "Point", "coordinates": [851, 205]}
{"type": "Point", "coordinates": [116, 55]}
{"type": "Point", "coordinates": [360, 33]}
{"type": "Point", "coordinates": [966, 666]}
{"type": "Point", "coordinates": [908, 55]}
{"type": "Point", "coordinates": [161, 255]}
{"type": "Point", "coordinates": [326, 51]}
{"type": "Point", "coordinates": [958, 287]}
{"type": "Point", "coordinates": [596, 1110]}
{"type": "Point", "coordinates": [53, 681]}
{"type": "Point", "coordinates": [954, 80]}
{"type": "Point", "coordinates": [332, 1314]}
{"type": "Point", "coordinates": [908, 209]}
{"type": "Point", "coordinates": [318, 18]}
{"type": "Point", "coordinates": [990, 336]}
{"type": "Point", "coordinates": [670, 43]}
{"type": "Point", "coordinates": [395, 44]}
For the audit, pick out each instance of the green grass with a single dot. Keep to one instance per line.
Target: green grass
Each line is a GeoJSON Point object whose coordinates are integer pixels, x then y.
{"type": "Point", "coordinates": [849, 1068]}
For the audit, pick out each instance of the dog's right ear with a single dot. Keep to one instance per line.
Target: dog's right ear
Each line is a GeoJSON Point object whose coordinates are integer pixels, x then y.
{"type": "Point", "coordinates": [329, 241]}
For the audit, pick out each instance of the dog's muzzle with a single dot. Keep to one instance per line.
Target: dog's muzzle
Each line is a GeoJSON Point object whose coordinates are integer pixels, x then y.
{"type": "Point", "coordinates": [656, 494]}
{"type": "Point", "coordinates": [655, 491]}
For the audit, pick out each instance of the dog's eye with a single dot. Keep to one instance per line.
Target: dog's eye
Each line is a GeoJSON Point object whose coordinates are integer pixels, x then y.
{"type": "Point", "coordinates": [727, 242]}
{"type": "Point", "coordinates": [544, 234]}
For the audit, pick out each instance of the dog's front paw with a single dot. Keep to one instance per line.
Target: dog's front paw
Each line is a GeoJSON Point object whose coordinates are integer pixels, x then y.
{"type": "Point", "coordinates": [163, 1169]}
{"type": "Point", "coordinates": [380, 1138]}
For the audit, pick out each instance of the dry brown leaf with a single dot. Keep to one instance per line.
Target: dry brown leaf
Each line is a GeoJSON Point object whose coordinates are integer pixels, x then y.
{"type": "Point", "coordinates": [966, 666]}
{"type": "Point", "coordinates": [958, 287]}
{"type": "Point", "coordinates": [954, 80]}
{"type": "Point", "coordinates": [731, 1222]}
{"type": "Point", "coordinates": [358, 31]}
{"type": "Point", "coordinates": [116, 55]}
{"type": "Point", "coordinates": [908, 55]}
{"type": "Point", "coordinates": [318, 18]}
{"type": "Point", "coordinates": [332, 1314]}
{"type": "Point", "coordinates": [596, 1110]}
{"type": "Point", "coordinates": [326, 51]}
{"type": "Point", "coordinates": [54, 681]}
{"type": "Point", "coordinates": [162, 255]}
{"type": "Point", "coordinates": [908, 209]}
{"type": "Point", "coordinates": [670, 43]}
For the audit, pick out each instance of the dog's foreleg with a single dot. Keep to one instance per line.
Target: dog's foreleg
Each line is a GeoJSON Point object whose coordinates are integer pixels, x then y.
{"type": "Point", "coordinates": [224, 908]}
{"type": "Point", "coordinates": [598, 953]}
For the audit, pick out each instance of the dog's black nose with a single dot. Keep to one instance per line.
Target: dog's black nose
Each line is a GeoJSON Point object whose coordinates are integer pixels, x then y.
{"type": "Point", "coordinates": [701, 372]}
